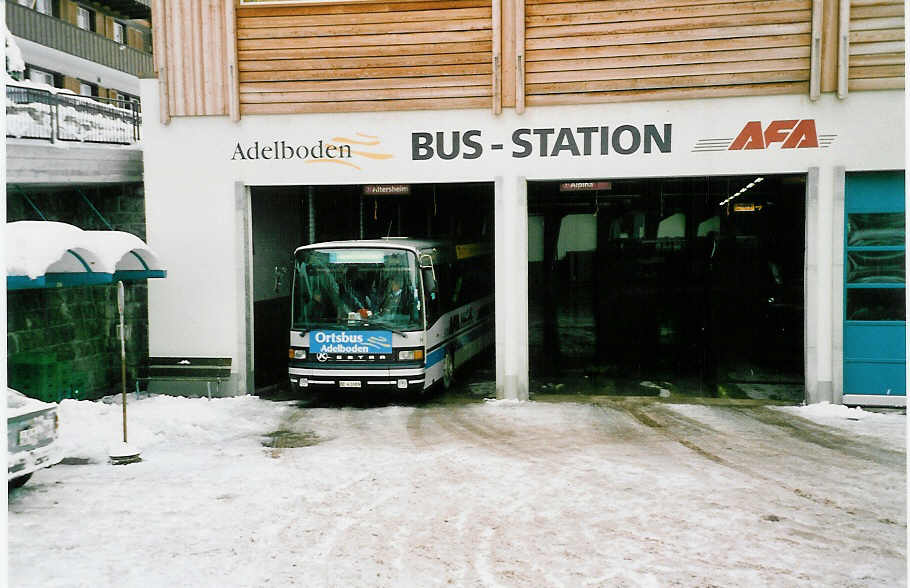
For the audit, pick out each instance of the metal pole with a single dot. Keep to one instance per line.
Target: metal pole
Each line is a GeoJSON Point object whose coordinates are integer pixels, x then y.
{"type": "Point", "coordinates": [120, 305]}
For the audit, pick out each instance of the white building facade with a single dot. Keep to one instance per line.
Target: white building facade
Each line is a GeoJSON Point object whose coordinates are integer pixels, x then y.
{"type": "Point", "coordinates": [200, 173]}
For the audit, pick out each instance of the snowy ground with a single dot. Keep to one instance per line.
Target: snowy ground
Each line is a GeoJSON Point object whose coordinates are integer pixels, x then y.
{"type": "Point", "coordinates": [605, 491]}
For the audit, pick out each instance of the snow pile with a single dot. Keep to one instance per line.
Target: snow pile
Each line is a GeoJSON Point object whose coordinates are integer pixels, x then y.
{"type": "Point", "coordinates": [14, 61]}
{"type": "Point", "coordinates": [889, 427]}
{"type": "Point", "coordinates": [89, 428]}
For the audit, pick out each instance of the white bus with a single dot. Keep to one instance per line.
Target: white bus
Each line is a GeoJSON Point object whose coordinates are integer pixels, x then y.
{"type": "Point", "coordinates": [392, 314]}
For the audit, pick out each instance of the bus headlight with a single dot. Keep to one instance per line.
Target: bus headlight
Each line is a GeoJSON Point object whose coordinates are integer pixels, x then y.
{"type": "Point", "coordinates": [411, 354]}
{"type": "Point", "coordinates": [296, 354]}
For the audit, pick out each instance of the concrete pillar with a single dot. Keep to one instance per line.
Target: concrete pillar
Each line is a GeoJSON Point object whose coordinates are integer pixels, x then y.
{"type": "Point", "coordinates": [511, 222]}
{"type": "Point", "coordinates": [242, 375]}
{"type": "Point", "coordinates": [838, 177]}
{"type": "Point", "coordinates": [818, 302]}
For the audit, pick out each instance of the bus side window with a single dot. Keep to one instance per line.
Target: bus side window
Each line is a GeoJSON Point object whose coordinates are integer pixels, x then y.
{"type": "Point", "coordinates": [431, 295]}
{"type": "Point", "coordinates": [456, 291]}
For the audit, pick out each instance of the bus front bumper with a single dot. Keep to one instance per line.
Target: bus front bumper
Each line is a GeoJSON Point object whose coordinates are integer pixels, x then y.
{"type": "Point", "coordinates": [403, 379]}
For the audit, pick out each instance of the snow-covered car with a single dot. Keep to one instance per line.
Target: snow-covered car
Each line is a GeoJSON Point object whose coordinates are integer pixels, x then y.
{"type": "Point", "coordinates": [31, 439]}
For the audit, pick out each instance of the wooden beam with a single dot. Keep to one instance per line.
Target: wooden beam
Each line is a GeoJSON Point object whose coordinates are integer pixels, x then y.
{"type": "Point", "coordinates": [366, 106]}
{"type": "Point", "coordinates": [537, 7]}
{"type": "Point", "coordinates": [669, 82]}
{"type": "Point", "coordinates": [677, 24]}
{"type": "Point", "coordinates": [896, 83]}
{"type": "Point", "coordinates": [518, 17]}
{"type": "Point", "coordinates": [843, 49]}
{"type": "Point", "coordinates": [231, 73]}
{"type": "Point", "coordinates": [244, 23]}
{"type": "Point", "coordinates": [367, 51]}
{"type": "Point", "coordinates": [159, 42]}
{"type": "Point", "coordinates": [365, 40]}
{"type": "Point", "coordinates": [669, 94]}
{"type": "Point", "coordinates": [741, 55]}
{"type": "Point", "coordinates": [198, 72]}
{"type": "Point", "coordinates": [815, 60]}
{"type": "Point", "coordinates": [366, 84]}
{"type": "Point", "coordinates": [585, 16]}
{"type": "Point", "coordinates": [420, 26]}
{"type": "Point", "coordinates": [829, 46]}
{"type": "Point", "coordinates": [626, 73]}
{"type": "Point", "coordinates": [508, 53]}
{"type": "Point", "coordinates": [479, 69]}
{"type": "Point", "coordinates": [707, 46]}
{"type": "Point", "coordinates": [354, 95]}
{"type": "Point", "coordinates": [403, 61]}
{"type": "Point", "coordinates": [497, 57]}
{"type": "Point", "coordinates": [310, 9]}
{"type": "Point", "coordinates": [665, 36]}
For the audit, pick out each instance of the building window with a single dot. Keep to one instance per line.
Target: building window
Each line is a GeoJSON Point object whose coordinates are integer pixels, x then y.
{"type": "Point", "coordinates": [119, 32]}
{"type": "Point", "coordinates": [127, 101]}
{"type": "Point", "coordinates": [43, 6]}
{"type": "Point", "coordinates": [85, 18]}
{"type": "Point", "coordinates": [40, 76]}
{"type": "Point", "coordinates": [87, 89]}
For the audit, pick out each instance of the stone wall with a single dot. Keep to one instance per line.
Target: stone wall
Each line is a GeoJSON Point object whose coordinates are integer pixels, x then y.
{"type": "Point", "coordinates": [65, 340]}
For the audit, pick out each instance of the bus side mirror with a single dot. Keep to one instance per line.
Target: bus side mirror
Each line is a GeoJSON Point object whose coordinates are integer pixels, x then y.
{"type": "Point", "coordinates": [429, 282]}
{"type": "Point", "coordinates": [429, 275]}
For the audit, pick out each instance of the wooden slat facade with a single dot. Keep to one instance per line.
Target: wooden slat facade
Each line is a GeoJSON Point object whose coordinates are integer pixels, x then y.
{"type": "Point", "coordinates": [876, 45]}
{"type": "Point", "coordinates": [216, 57]}
{"type": "Point", "coordinates": [344, 57]}
{"type": "Point", "coordinates": [599, 51]}
{"type": "Point", "coordinates": [194, 45]}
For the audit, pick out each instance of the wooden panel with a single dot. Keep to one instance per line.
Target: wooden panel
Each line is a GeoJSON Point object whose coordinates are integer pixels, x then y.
{"type": "Point", "coordinates": [363, 106]}
{"type": "Point", "coordinates": [193, 48]}
{"type": "Point", "coordinates": [669, 94]}
{"type": "Point", "coordinates": [347, 57]}
{"type": "Point", "coordinates": [875, 58]}
{"type": "Point", "coordinates": [602, 50]}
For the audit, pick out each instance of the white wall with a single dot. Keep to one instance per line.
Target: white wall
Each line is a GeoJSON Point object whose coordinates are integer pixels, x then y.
{"type": "Point", "coordinates": [77, 67]}
{"type": "Point", "coordinates": [194, 221]}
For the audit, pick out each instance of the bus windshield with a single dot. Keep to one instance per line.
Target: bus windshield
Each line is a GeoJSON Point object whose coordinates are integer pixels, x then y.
{"type": "Point", "coordinates": [356, 287]}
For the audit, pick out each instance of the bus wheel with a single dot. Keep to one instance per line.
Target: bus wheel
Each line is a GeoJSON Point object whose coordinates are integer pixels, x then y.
{"type": "Point", "coordinates": [448, 370]}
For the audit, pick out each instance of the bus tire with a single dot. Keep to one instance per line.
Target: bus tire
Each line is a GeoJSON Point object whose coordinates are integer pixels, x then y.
{"type": "Point", "coordinates": [448, 369]}
{"type": "Point", "coordinates": [17, 482]}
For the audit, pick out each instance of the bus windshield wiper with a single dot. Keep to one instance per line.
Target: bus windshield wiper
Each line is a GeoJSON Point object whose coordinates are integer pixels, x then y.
{"type": "Point", "coordinates": [385, 326]}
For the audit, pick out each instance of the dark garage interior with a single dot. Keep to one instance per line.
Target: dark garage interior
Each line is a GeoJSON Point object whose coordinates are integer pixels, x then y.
{"type": "Point", "coordinates": [286, 217]}
{"type": "Point", "coordinates": [687, 284]}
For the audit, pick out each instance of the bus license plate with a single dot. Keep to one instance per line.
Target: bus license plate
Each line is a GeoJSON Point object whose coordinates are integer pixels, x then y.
{"type": "Point", "coordinates": [28, 436]}
{"type": "Point", "coordinates": [349, 384]}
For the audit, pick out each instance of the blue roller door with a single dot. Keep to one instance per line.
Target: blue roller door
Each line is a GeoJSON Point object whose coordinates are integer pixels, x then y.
{"type": "Point", "coordinates": [875, 356]}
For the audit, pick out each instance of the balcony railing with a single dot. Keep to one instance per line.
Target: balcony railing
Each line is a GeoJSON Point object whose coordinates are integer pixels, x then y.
{"type": "Point", "coordinates": [57, 34]}
{"type": "Point", "coordinates": [33, 113]}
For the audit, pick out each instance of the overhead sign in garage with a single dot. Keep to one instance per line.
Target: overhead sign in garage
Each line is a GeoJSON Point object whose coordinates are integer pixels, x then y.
{"type": "Point", "coordinates": [386, 190]}
{"type": "Point", "coordinates": [584, 186]}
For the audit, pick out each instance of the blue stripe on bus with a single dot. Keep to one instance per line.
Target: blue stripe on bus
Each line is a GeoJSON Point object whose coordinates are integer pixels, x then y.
{"type": "Point", "coordinates": [437, 354]}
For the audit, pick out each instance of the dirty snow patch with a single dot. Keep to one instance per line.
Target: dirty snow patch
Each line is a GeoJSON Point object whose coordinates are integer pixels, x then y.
{"type": "Point", "coordinates": [888, 427]}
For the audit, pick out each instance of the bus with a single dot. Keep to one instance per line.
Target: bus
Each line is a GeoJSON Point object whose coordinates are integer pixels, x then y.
{"type": "Point", "coordinates": [388, 315]}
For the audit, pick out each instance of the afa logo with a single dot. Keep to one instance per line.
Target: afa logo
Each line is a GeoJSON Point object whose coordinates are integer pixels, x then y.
{"type": "Point", "coordinates": [777, 134]}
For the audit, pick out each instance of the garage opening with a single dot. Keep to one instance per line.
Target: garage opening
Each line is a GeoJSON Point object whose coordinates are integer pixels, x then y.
{"type": "Point", "coordinates": [686, 285]}
{"type": "Point", "coordinates": [286, 217]}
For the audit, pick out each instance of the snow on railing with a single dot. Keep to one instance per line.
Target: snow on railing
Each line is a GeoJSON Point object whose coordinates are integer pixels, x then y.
{"type": "Point", "coordinates": [38, 111]}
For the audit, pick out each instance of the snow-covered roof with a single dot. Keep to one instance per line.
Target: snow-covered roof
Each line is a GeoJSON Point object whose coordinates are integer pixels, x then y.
{"type": "Point", "coordinates": [46, 253]}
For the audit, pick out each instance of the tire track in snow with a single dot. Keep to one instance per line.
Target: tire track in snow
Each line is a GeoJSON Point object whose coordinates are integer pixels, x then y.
{"type": "Point", "coordinates": [809, 432]}
{"type": "Point", "coordinates": [541, 455]}
{"type": "Point", "coordinates": [678, 427]}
